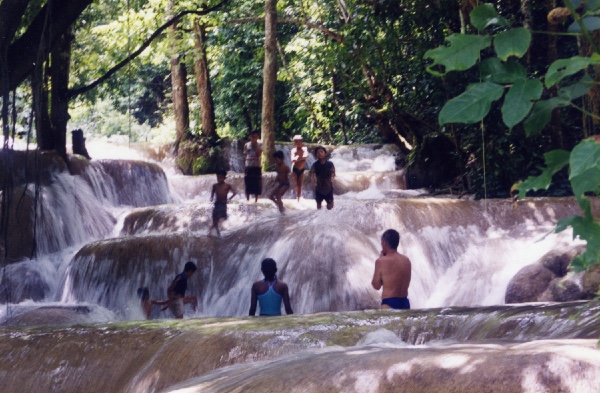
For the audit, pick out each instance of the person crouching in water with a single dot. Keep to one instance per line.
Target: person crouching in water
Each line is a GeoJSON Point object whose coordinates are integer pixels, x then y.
{"type": "Point", "coordinates": [176, 291]}
{"type": "Point", "coordinates": [270, 292]}
{"type": "Point", "coordinates": [282, 180]}
{"type": "Point", "coordinates": [220, 190]}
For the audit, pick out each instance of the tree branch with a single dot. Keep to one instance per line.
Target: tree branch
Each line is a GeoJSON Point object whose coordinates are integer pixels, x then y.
{"type": "Point", "coordinates": [84, 89]}
{"type": "Point", "coordinates": [22, 53]}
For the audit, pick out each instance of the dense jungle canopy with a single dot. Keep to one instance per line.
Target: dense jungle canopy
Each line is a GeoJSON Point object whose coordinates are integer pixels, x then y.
{"type": "Point", "coordinates": [336, 71]}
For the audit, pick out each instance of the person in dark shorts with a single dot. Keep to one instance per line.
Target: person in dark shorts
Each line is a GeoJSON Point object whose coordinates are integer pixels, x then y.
{"type": "Point", "coordinates": [270, 292]}
{"type": "Point", "coordinates": [252, 172]}
{"type": "Point", "coordinates": [323, 172]}
{"type": "Point", "coordinates": [299, 155]}
{"type": "Point", "coordinates": [282, 181]}
{"type": "Point", "coordinates": [392, 272]}
{"type": "Point", "coordinates": [220, 190]}
{"type": "Point", "coordinates": [176, 291]}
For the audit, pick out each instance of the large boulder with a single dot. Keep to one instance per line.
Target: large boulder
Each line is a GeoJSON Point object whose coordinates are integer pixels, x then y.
{"type": "Point", "coordinates": [548, 279]}
{"type": "Point", "coordinates": [528, 284]}
{"type": "Point", "coordinates": [591, 282]}
{"type": "Point", "coordinates": [565, 289]}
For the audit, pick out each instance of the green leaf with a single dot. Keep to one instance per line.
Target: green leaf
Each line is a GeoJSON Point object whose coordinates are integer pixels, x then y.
{"type": "Point", "coordinates": [541, 114]}
{"type": "Point", "coordinates": [576, 90]}
{"type": "Point", "coordinates": [588, 230]}
{"type": "Point", "coordinates": [592, 5]}
{"type": "Point", "coordinates": [591, 23]}
{"type": "Point", "coordinates": [563, 68]}
{"type": "Point", "coordinates": [495, 70]}
{"type": "Point", "coordinates": [555, 160]}
{"type": "Point", "coordinates": [584, 172]}
{"type": "Point", "coordinates": [519, 100]}
{"type": "Point", "coordinates": [472, 105]}
{"type": "Point", "coordinates": [513, 42]}
{"type": "Point", "coordinates": [461, 55]}
{"type": "Point", "coordinates": [485, 15]}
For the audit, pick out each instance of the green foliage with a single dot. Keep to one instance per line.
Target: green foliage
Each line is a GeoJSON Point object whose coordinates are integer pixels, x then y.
{"type": "Point", "coordinates": [522, 104]}
{"type": "Point", "coordinates": [512, 42]}
{"type": "Point", "coordinates": [461, 55]}
{"type": "Point", "coordinates": [472, 105]}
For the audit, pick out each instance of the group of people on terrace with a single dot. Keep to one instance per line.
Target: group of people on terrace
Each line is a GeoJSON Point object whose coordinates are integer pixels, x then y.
{"type": "Point", "coordinates": [322, 173]}
{"type": "Point", "coordinates": [392, 273]}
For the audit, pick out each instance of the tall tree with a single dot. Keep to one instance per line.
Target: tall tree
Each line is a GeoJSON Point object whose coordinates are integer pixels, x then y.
{"type": "Point", "coordinates": [207, 107]}
{"type": "Point", "coordinates": [269, 80]}
{"type": "Point", "coordinates": [178, 85]}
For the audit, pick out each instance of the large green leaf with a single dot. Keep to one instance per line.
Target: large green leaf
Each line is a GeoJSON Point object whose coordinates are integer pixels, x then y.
{"type": "Point", "coordinates": [472, 105]}
{"type": "Point", "coordinates": [591, 23]}
{"type": "Point", "coordinates": [555, 160]}
{"type": "Point", "coordinates": [588, 230]}
{"type": "Point", "coordinates": [541, 114]}
{"type": "Point", "coordinates": [519, 100]}
{"type": "Point", "coordinates": [584, 171]}
{"type": "Point", "coordinates": [592, 6]}
{"type": "Point", "coordinates": [576, 90]}
{"type": "Point", "coordinates": [497, 71]}
{"type": "Point", "coordinates": [563, 68]}
{"type": "Point", "coordinates": [513, 42]}
{"type": "Point", "coordinates": [461, 55]}
{"type": "Point", "coordinates": [485, 15]}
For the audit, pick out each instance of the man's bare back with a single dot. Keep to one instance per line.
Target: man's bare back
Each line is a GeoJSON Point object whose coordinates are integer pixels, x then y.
{"type": "Point", "coordinates": [392, 272]}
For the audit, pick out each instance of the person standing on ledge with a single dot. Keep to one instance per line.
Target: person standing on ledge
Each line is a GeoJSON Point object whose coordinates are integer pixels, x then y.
{"type": "Point", "coordinates": [252, 173]}
{"type": "Point", "coordinates": [392, 272]}
{"type": "Point", "coordinates": [322, 173]}
{"type": "Point", "coordinates": [299, 155]}
{"type": "Point", "coordinates": [270, 292]}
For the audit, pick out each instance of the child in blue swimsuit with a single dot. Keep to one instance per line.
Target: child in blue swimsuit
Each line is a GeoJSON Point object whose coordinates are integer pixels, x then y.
{"type": "Point", "coordinates": [270, 292]}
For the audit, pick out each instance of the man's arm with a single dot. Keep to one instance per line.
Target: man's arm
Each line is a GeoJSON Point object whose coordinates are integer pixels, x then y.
{"type": "Point", "coordinates": [286, 301]}
{"type": "Point", "coordinates": [170, 294]}
{"type": "Point", "coordinates": [253, 299]}
{"type": "Point", "coordinates": [212, 194]}
{"type": "Point", "coordinates": [233, 192]}
{"type": "Point", "coordinates": [377, 282]}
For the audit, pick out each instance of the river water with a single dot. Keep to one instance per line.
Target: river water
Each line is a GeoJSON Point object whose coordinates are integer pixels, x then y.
{"type": "Point", "coordinates": [121, 225]}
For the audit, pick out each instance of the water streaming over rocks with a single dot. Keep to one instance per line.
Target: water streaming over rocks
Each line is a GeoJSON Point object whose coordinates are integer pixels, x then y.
{"type": "Point", "coordinates": [114, 226]}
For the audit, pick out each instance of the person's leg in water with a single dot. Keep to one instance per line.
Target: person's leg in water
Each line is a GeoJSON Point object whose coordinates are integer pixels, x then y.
{"type": "Point", "coordinates": [319, 198]}
{"type": "Point", "coordinates": [300, 179]}
{"type": "Point", "coordinates": [329, 201]}
{"type": "Point", "coordinates": [277, 195]}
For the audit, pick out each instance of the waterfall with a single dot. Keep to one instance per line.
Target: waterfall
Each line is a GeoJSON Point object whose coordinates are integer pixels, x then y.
{"type": "Point", "coordinates": [114, 228]}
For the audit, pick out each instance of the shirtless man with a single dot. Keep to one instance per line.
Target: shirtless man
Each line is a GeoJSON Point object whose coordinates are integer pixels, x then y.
{"type": "Point", "coordinates": [392, 272]}
{"type": "Point", "coordinates": [220, 190]}
{"type": "Point", "coordinates": [299, 156]}
{"type": "Point", "coordinates": [282, 181]}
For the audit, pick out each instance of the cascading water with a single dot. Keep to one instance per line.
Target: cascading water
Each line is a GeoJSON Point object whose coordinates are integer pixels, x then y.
{"type": "Point", "coordinates": [120, 225]}
{"type": "Point", "coordinates": [463, 252]}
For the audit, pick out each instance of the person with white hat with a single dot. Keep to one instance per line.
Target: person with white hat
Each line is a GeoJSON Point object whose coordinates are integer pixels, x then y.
{"type": "Point", "coordinates": [299, 155]}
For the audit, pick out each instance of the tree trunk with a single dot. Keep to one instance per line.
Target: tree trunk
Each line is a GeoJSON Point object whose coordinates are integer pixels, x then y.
{"type": "Point", "coordinates": [181, 109]}
{"type": "Point", "coordinates": [269, 79]}
{"type": "Point", "coordinates": [207, 107]}
{"type": "Point", "coordinates": [45, 137]}
{"type": "Point", "coordinates": [59, 107]}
